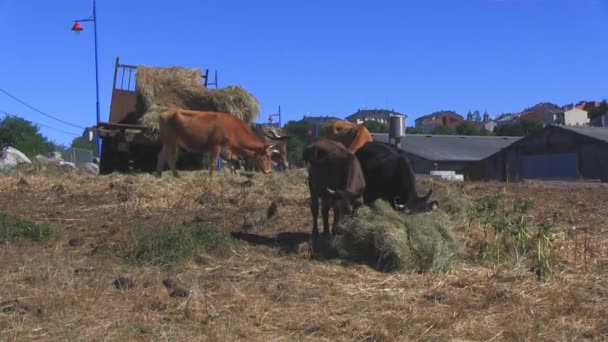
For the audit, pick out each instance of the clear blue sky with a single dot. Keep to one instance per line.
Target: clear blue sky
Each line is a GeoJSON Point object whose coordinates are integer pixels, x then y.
{"type": "Point", "coordinates": [312, 57]}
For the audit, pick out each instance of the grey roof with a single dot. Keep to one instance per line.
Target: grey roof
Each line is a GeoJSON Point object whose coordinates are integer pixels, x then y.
{"type": "Point", "coordinates": [451, 147]}
{"type": "Point", "coordinates": [598, 133]}
{"type": "Point", "coordinates": [373, 113]}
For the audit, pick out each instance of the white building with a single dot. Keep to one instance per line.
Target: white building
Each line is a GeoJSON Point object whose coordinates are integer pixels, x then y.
{"type": "Point", "coordinates": [571, 117]}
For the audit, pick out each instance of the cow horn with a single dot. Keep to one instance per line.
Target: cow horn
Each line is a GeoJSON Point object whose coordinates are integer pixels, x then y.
{"type": "Point", "coordinates": [400, 206]}
{"type": "Point", "coordinates": [330, 191]}
{"type": "Point", "coordinates": [273, 134]}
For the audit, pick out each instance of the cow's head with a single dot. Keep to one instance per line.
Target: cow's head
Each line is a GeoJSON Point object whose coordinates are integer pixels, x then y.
{"type": "Point", "coordinates": [281, 145]}
{"type": "Point", "coordinates": [346, 202]}
{"type": "Point", "coordinates": [419, 204]}
{"type": "Point", "coordinates": [262, 160]}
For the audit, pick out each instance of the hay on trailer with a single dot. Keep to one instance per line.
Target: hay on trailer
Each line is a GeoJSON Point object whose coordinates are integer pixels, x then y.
{"type": "Point", "coordinates": [392, 241]}
{"type": "Point", "coordinates": [159, 88]}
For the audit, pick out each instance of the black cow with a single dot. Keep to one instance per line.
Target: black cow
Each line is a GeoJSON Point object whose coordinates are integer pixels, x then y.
{"type": "Point", "coordinates": [335, 175]}
{"type": "Point", "coordinates": [389, 176]}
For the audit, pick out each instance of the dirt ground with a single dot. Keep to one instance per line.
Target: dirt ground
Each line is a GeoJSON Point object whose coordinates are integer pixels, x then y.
{"type": "Point", "coordinates": [269, 288]}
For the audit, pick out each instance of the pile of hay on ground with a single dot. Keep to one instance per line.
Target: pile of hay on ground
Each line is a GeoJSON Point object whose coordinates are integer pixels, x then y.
{"type": "Point", "coordinates": [159, 88]}
{"type": "Point", "coordinates": [451, 196]}
{"type": "Point", "coordinates": [392, 241]}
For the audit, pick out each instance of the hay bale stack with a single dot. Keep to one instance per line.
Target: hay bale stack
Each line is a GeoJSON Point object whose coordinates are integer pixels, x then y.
{"type": "Point", "coordinates": [159, 88]}
{"type": "Point", "coordinates": [391, 241]}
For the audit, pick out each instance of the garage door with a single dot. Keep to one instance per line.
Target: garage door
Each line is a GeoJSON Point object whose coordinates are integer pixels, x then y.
{"type": "Point", "coordinates": [550, 166]}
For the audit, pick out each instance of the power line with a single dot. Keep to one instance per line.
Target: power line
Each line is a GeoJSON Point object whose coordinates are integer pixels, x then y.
{"type": "Point", "coordinates": [37, 110]}
{"type": "Point", "coordinates": [41, 125]}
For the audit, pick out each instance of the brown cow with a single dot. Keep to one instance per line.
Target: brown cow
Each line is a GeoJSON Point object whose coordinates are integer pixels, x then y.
{"type": "Point", "coordinates": [349, 134]}
{"type": "Point", "coordinates": [199, 131]}
{"type": "Point", "coordinates": [335, 175]}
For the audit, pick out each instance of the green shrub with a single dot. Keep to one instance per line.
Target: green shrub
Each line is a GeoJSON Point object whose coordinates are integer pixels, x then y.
{"type": "Point", "coordinates": [13, 228]}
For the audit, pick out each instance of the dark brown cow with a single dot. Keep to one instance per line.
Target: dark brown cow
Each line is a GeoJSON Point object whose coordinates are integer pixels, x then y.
{"type": "Point", "coordinates": [199, 131]}
{"type": "Point", "coordinates": [389, 176]}
{"type": "Point", "coordinates": [335, 175]}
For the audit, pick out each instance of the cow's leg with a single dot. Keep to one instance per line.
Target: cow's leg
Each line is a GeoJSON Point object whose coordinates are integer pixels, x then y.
{"type": "Point", "coordinates": [215, 153]}
{"type": "Point", "coordinates": [337, 214]}
{"type": "Point", "coordinates": [172, 156]}
{"type": "Point", "coordinates": [160, 162]}
{"type": "Point", "coordinates": [168, 154]}
{"type": "Point", "coordinates": [325, 205]}
{"type": "Point", "coordinates": [314, 210]}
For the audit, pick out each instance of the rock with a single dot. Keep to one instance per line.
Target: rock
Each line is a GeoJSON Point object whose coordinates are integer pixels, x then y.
{"type": "Point", "coordinates": [55, 155]}
{"type": "Point", "coordinates": [46, 161]}
{"type": "Point", "coordinates": [10, 158]}
{"type": "Point", "coordinates": [90, 168]}
{"type": "Point", "coordinates": [76, 242]}
{"type": "Point", "coordinates": [123, 283]}
{"type": "Point", "coordinates": [179, 293]}
{"type": "Point", "coordinates": [58, 189]}
{"type": "Point", "coordinates": [81, 270]}
{"type": "Point", "coordinates": [67, 166]}
{"type": "Point", "coordinates": [272, 210]}
{"type": "Point", "coordinates": [169, 283]}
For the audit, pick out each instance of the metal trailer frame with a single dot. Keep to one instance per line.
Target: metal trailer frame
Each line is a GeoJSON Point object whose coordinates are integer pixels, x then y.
{"type": "Point", "coordinates": [125, 144]}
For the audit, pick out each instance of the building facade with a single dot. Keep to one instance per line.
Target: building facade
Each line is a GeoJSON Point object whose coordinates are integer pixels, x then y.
{"type": "Point", "coordinates": [428, 122]}
{"type": "Point", "coordinates": [557, 153]}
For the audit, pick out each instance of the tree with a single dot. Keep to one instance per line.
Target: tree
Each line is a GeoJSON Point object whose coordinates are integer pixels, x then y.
{"type": "Point", "coordinates": [82, 143]}
{"type": "Point", "coordinates": [593, 111]}
{"type": "Point", "coordinates": [531, 126]}
{"type": "Point", "coordinates": [476, 116]}
{"type": "Point", "coordinates": [298, 138]}
{"type": "Point", "coordinates": [24, 136]}
{"type": "Point", "coordinates": [413, 130]}
{"type": "Point", "coordinates": [443, 130]}
{"type": "Point", "coordinates": [374, 126]}
{"type": "Point", "coordinates": [521, 128]}
{"type": "Point", "coordinates": [465, 128]}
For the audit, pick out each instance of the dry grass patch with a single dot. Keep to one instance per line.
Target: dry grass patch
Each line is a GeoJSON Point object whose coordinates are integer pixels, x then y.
{"type": "Point", "coordinates": [269, 292]}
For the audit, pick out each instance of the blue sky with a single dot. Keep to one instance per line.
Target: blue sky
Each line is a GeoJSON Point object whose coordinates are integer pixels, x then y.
{"type": "Point", "coordinates": [312, 57]}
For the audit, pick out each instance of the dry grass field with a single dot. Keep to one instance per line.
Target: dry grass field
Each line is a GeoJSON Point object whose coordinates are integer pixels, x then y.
{"type": "Point", "coordinates": [204, 262]}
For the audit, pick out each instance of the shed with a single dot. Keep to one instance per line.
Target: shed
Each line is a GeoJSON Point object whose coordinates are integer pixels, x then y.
{"type": "Point", "coordinates": [556, 152]}
{"type": "Point", "coordinates": [460, 153]}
